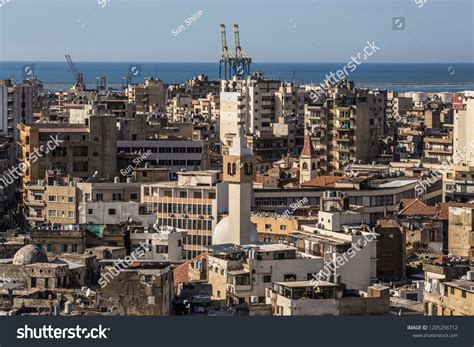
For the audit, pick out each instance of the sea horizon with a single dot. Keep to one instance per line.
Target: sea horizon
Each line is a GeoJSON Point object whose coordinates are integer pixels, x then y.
{"type": "Point", "coordinates": [403, 77]}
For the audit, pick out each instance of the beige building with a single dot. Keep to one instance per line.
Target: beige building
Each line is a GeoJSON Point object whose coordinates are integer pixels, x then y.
{"type": "Point", "coordinates": [193, 203]}
{"type": "Point", "coordinates": [83, 151]}
{"type": "Point", "coordinates": [53, 200]}
{"type": "Point", "coordinates": [148, 97]}
{"type": "Point", "coordinates": [461, 232]}
{"type": "Point", "coordinates": [346, 127]}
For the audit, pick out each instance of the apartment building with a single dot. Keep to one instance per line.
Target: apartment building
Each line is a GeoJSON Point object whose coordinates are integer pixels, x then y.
{"type": "Point", "coordinates": [175, 154]}
{"type": "Point", "coordinates": [87, 152]}
{"type": "Point", "coordinates": [346, 126]}
{"type": "Point", "coordinates": [306, 298]}
{"type": "Point", "coordinates": [449, 288]}
{"type": "Point", "coordinates": [111, 203]}
{"type": "Point", "coordinates": [242, 273]}
{"type": "Point", "coordinates": [377, 195]}
{"type": "Point", "coordinates": [16, 105]}
{"type": "Point", "coordinates": [53, 201]}
{"type": "Point", "coordinates": [148, 97]}
{"type": "Point", "coordinates": [256, 103]}
{"type": "Point", "coordinates": [193, 203]}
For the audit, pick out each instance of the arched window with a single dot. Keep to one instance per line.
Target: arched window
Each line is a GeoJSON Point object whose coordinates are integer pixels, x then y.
{"type": "Point", "coordinates": [229, 168]}
{"type": "Point", "coordinates": [27, 140]}
{"type": "Point", "coordinates": [234, 168]}
{"type": "Point", "coordinates": [305, 166]}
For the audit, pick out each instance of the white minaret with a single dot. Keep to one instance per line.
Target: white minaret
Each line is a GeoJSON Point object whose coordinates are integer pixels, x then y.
{"type": "Point", "coordinates": [239, 171]}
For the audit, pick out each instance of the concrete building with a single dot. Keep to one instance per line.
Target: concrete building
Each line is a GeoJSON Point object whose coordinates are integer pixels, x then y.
{"type": "Point", "coordinates": [449, 288]}
{"type": "Point", "coordinates": [148, 97]}
{"type": "Point", "coordinates": [461, 232]}
{"type": "Point", "coordinates": [175, 154]}
{"type": "Point", "coordinates": [346, 126]}
{"type": "Point", "coordinates": [87, 152]}
{"type": "Point", "coordinates": [111, 203]}
{"type": "Point", "coordinates": [305, 298]}
{"type": "Point", "coordinates": [53, 200]}
{"type": "Point", "coordinates": [242, 273]}
{"type": "Point", "coordinates": [256, 103]}
{"type": "Point", "coordinates": [164, 243]}
{"type": "Point", "coordinates": [146, 289]}
{"type": "Point", "coordinates": [377, 195]}
{"type": "Point", "coordinates": [193, 203]}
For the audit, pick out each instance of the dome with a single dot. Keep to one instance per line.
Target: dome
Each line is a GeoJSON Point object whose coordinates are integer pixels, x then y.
{"type": "Point", "coordinates": [220, 235]}
{"type": "Point", "coordinates": [29, 254]}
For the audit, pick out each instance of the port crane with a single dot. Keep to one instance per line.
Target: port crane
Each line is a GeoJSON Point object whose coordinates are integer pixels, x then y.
{"type": "Point", "coordinates": [77, 74]}
{"type": "Point", "coordinates": [233, 65]}
{"type": "Point", "coordinates": [242, 60]}
{"type": "Point", "coordinates": [226, 66]}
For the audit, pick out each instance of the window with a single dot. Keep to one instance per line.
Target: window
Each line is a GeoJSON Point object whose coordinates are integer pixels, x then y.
{"type": "Point", "coordinates": [70, 214]}
{"type": "Point", "coordinates": [50, 248]}
{"type": "Point", "coordinates": [197, 195]}
{"type": "Point", "coordinates": [218, 293]}
{"type": "Point", "coordinates": [133, 196]}
{"type": "Point", "coordinates": [52, 213]}
{"type": "Point", "coordinates": [267, 278]}
{"type": "Point", "coordinates": [64, 247]}
{"type": "Point", "coordinates": [111, 211]}
{"type": "Point", "coordinates": [74, 248]}
{"type": "Point", "coordinates": [452, 290]}
{"type": "Point", "coordinates": [212, 195]}
{"type": "Point", "coordinates": [183, 194]}
{"type": "Point", "coordinates": [70, 199]}
{"type": "Point", "coordinates": [464, 294]}
{"type": "Point", "coordinates": [289, 278]}
{"type": "Point", "coordinates": [99, 197]}
{"type": "Point", "coordinates": [89, 211]}
{"type": "Point", "coordinates": [52, 198]}
{"type": "Point", "coordinates": [282, 227]}
{"type": "Point", "coordinates": [268, 226]}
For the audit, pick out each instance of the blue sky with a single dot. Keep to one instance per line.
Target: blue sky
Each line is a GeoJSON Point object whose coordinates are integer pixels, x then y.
{"type": "Point", "coordinates": [271, 30]}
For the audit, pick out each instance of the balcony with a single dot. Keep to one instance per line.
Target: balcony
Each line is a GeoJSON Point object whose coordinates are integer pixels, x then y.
{"type": "Point", "coordinates": [37, 203]}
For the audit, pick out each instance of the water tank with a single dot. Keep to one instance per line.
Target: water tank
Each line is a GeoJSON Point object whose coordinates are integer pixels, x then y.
{"type": "Point", "coordinates": [68, 307]}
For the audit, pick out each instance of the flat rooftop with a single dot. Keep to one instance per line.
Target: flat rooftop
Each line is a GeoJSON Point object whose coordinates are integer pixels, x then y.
{"type": "Point", "coordinates": [303, 284]}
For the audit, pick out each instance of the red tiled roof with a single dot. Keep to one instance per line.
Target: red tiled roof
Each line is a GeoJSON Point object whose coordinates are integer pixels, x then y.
{"type": "Point", "coordinates": [418, 208]}
{"type": "Point", "coordinates": [308, 148]}
{"type": "Point", "coordinates": [322, 181]}
{"type": "Point", "coordinates": [181, 272]}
